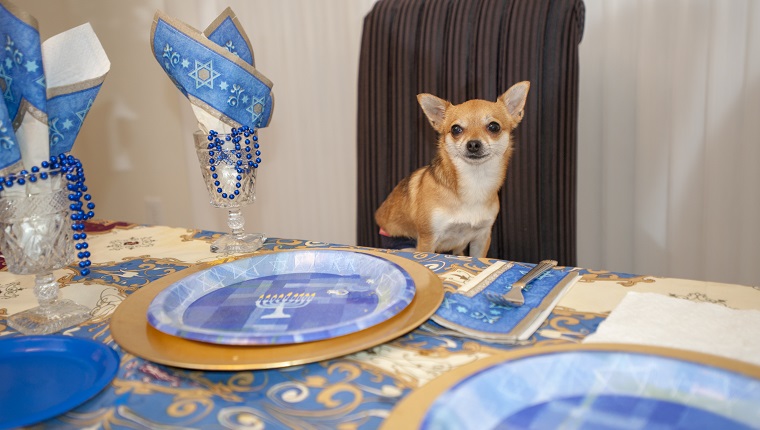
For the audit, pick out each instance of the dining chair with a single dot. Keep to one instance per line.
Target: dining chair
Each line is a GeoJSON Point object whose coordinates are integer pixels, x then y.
{"type": "Point", "coordinates": [464, 49]}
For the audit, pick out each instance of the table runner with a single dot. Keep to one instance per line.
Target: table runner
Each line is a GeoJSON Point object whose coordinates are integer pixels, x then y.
{"type": "Point", "coordinates": [355, 391]}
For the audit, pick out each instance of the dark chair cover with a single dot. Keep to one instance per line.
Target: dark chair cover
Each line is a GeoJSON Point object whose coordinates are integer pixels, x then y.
{"type": "Point", "coordinates": [464, 49]}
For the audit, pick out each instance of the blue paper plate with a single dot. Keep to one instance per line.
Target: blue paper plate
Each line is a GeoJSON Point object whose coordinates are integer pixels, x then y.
{"type": "Point", "coordinates": [45, 376]}
{"type": "Point", "coordinates": [599, 390]}
{"type": "Point", "coordinates": [283, 298]}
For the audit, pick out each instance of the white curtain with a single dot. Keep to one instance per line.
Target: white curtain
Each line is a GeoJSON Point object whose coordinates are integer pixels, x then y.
{"type": "Point", "coordinates": [669, 134]}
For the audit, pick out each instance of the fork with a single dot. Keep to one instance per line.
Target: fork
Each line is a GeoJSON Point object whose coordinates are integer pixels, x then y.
{"type": "Point", "coordinates": [514, 297]}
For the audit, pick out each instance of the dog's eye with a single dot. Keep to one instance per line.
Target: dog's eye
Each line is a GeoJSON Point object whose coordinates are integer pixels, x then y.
{"type": "Point", "coordinates": [456, 130]}
{"type": "Point", "coordinates": [494, 127]}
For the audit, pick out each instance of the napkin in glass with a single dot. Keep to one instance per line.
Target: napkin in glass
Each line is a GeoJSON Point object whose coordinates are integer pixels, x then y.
{"type": "Point", "coordinates": [215, 70]}
{"type": "Point", "coordinates": [469, 312]}
{"type": "Point", "coordinates": [48, 88]}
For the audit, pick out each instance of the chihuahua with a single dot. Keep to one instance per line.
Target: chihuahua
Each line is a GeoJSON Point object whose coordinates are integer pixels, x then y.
{"type": "Point", "coordinates": [452, 203]}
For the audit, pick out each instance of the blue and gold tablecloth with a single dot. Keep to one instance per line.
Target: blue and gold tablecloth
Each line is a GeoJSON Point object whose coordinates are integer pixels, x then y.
{"type": "Point", "coordinates": [354, 391]}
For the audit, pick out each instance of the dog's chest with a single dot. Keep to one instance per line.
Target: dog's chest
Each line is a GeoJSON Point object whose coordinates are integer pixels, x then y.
{"type": "Point", "coordinates": [460, 225]}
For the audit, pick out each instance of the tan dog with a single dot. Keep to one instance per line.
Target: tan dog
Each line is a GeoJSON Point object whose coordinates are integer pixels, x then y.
{"type": "Point", "coordinates": [453, 202]}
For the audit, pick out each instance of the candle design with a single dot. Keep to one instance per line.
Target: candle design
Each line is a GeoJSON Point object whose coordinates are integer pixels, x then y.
{"type": "Point", "coordinates": [279, 302]}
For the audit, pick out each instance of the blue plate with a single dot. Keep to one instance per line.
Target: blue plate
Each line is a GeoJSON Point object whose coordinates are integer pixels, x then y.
{"type": "Point", "coordinates": [283, 298]}
{"type": "Point", "coordinates": [44, 376]}
{"type": "Point", "coordinates": [593, 389]}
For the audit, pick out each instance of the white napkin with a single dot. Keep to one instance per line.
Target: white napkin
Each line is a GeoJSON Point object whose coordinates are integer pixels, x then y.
{"type": "Point", "coordinates": [655, 319]}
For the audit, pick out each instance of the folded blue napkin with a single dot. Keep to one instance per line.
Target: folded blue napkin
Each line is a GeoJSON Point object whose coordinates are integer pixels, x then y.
{"type": "Point", "coordinates": [215, 70]}
{"type": "Point", "coordinates": [48, 88]}
{"type": "Point", "coordinates": [468, 311]}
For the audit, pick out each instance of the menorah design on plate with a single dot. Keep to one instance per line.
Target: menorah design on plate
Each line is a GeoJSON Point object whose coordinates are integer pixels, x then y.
{"type": "Point", "coordinates": [280, 302]}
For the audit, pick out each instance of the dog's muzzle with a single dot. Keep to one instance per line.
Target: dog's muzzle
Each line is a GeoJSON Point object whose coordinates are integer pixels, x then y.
{"type": "Point", "coordinates": [475, 150]}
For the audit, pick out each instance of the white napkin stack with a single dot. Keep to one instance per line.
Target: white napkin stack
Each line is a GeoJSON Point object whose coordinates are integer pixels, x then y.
{"type": "Point", "coordinates": [655, 319]}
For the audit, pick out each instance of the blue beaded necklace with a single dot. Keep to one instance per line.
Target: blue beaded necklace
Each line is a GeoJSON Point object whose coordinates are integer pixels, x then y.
{"type": "Point", "coordinates": [243, 158]}
{"type": "Point", "coordinates": [71, 167]}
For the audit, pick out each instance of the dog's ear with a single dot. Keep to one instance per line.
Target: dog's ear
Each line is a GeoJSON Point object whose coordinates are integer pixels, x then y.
{"type": "Point", "coordinates": [515, 98]}
{"type": "Point", "coordinates": [434, 108]}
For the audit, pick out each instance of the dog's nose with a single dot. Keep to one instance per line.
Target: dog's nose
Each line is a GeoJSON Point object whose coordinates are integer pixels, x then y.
{"type": "Point", "coordinates": [473, 146]}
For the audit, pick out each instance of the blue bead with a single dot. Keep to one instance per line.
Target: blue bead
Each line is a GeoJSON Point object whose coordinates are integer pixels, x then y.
{"type": "Point", "coordinates": [249, 156]}
{"type": "Point", "coordinates": [76, 237]}
{"type": "Point", "coordinates": [255, 138]}
{"type": "Point", "coordinates": [239, 163]}
{"type": "Point", "coordinates": [216, 183]}
{"type": "Point", "coordinates": [33, 179]}
{"type": "Point", "coordinates": [211, 153]}
{"type": "Point", "coordinates": [87, 197]}
{"type": "Point", "coordinates": [232, 196]}
{"type": "Point", "coordinates": [8, 183]}
{"type": "Point", "coordinates": [85, 272]}
{"type": "Point", "coordinates": [43, 175]}
{"type": "Point", "coordinates": [83, 236]}
{"type": "Point", "coordinates": [45, 164]}
{"type": "Point", "coordinates": [258, 160]}
{"type": "Point", "coordinates": [218, 190]}
{"type": "Point", "coordinates": [255, 166]}
{"type": "Point", "coordinates": [224, 195]}
{"type": "Point", "coordinates": [35, 169]}
{"type": "Point", "coordinates": [82, 264]}
{"type": "Point", "coordinates": [78, 246]}
{"type": "Point", "coordinates": [247, 149]}
{"type": "Point", "coordinates": [80, 255]}
{"type": "Point", "coordinates": [237, 191]}
{"type": "Point", "coordinates": [23, 172]}
{"type": "Point", "coordinates": [91, 205]}
{"type": "Point", "coordinates": [21, 181]}
{"type": "Point", "coordinates": [239, 178]}
{"type": "Point", "coordinates": [210, 161]}
{"type": "Point", "coordinates": [256, 145]}
{"type": "Point", "coordinates": [214, 175]}
{"type": "Point", "coordinates": [84, 244]}
{"type": "Point", "coordinates": [87, 254]}
{"type": "Point", "coordinates": [90, 214]}
{"type": "Point", "coordinates": [212, 168]}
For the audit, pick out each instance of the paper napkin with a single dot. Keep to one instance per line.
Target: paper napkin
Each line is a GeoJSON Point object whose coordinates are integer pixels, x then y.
{"type": "Point", "coordinates": [215, 70]}
{"type": "Point", "coordinates": [659, 320]}
{"type": "Point", "coordinates": [48, 88]}
{"type": "Point", "coordinates": [468, 311]}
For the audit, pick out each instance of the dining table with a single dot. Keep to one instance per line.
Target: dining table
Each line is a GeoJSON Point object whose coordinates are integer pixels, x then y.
{"type": "Point", "coordinates": [358, 389]}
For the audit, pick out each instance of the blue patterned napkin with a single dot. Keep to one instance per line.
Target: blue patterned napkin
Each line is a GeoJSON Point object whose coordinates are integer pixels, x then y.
{"type": "Point", "coordinates": [468, 311]}
{"type": "Point", "coordinates": [215, 70]}
{"type": "Point", "coordinates": [48, 88]}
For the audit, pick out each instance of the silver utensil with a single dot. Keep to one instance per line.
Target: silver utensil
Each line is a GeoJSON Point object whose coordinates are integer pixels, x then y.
{"type": "Point", "coordinates": [514, 297]}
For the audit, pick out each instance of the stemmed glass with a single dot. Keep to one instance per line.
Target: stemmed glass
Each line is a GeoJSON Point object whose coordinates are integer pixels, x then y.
{"type": "Point", "coordinates": [36, 238]}
{"type": "Point", "coordinates": [231, 184]}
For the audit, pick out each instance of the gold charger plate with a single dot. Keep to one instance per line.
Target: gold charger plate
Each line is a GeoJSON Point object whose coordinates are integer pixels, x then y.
{"type": "Point", "coordinates": [131, 330]}
{"type": "Point", "coordinates": [414, 410]}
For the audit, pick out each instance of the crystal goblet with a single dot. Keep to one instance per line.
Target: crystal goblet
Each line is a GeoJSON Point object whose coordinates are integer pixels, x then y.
{"type": "Point", "coordinates": [231, 185]}
{"type": "Point", "coordinates": [36, 238]}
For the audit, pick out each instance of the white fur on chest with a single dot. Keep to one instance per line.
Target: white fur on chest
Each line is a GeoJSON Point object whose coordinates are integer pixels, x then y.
{"type": "Point", "coordinates": [472, 216]}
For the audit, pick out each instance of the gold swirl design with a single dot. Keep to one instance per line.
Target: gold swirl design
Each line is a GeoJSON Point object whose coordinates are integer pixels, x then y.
{"type": "Point", "coordinates": [603, 275]}
{"type": "Point", "coordinates": [242, 382]}
{"type": "Point", "coordinates": [284, 243]}
{"type": "Point", "coordinates": [186, 402]}
{"type": "Point", "coordinates": [188, 406]}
